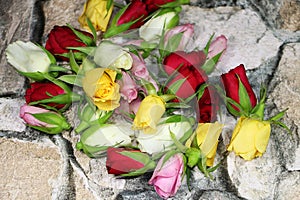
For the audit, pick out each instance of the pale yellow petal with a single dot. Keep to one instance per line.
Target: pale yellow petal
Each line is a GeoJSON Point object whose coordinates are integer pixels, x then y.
{"type": "Point", "coordinates": [213, 132]}
{"type": "Point", "coordinates": [262, 137]}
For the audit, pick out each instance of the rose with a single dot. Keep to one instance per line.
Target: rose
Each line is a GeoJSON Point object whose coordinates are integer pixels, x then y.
{"type": "Point", "coordinates": [179, 60]}
{"type": "Point", "coordinates": [153, 5]}
{"type": "Point", "coordinates": [96, 11]}
{"type": "Point", "coordinates": [41, 91]}
{"type": "Point", "coordinates": [62, 37]}
{"type": "Point", "coordinates": [167, 176]}
{"type": "Point", "coordinates": [217, 46]}
{"type": "Point", "coordinates": [187, 30]}
{"type": "Point", "coordinates": [149, 113]}
{"type": "Point", "coordinates": [108, 54]}
{"type": "Point", "coordinates": [208, 105]}
{"type": "Point", "coordinates": [232, 81]}
{"type": "Point", "coordinates": [117, 163]}
{"type": "Point", "coordinates": [97, 137]}
{"type": "Point", "coordinates": [43, 120]}
{"type": "Point", "coordinates": [153, 28]}
{"type": "Point", "coordinates": [250, 138]}
{"type": "Point", "coordinates": [128, 87]}
{"type": "Point", "coordinates": [28, 59]}
{"type": "Point", "coordinates": [207, 135]}
{"type": "Point", "coordinates": [161, 140]}
{"type": "Point", "coordinates": [132, 13]}
{"type": "Point", "coordinates": [99, 84]}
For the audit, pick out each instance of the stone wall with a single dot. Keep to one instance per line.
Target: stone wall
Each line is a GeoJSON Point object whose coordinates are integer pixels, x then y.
{"type": "Point", "coordinates": [264, 35]}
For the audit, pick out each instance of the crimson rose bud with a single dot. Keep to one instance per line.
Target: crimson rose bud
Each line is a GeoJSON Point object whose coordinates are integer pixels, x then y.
{"type": "Point", "coordinates": [153, 5]}
{"type": "Point", "coordinates": [117, 163]}
{"type": "Point", "coordinates": [208, 105]}
{"type": "Point", "coordinates": [231, 84]}
{"type": "Point", "coordinates": [40, 91]}
{"type": "Point", "coordinates": [136, 10]}
{"type": "Point", "coordinates": [183, 60]}
{"type": "Point", "coordinates": [61, 37]}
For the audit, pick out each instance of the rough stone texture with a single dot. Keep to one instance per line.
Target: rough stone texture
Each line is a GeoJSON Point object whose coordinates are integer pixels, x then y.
{"type": "Point", "coordinates": [28, 170]}
{"type": "Point", "coordinates": [56, 166]}
{"type": "Point", "coordinates": [286, 94]}
{"type": "Point", "coordinates": [249, 40]}
{"type": "Point", "coordinates": [9, 118]}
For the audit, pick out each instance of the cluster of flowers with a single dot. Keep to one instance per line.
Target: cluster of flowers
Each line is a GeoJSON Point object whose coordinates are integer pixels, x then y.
{"type": "Point", "coordinates": [146, 103]}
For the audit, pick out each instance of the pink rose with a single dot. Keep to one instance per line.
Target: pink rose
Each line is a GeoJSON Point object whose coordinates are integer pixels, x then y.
{"type": "Point", "coordinates": [187, 31]}
{"type": "Point", "coordinates": [128, 87]}
{"type": "Point", "coordinates": [166, 177]}
{"type": "Point", "coordinates": [139, 68]}
{"type": "Point", "coordinates": [26, 114]}
{"type": "Point", "coordinates": [217, 46]}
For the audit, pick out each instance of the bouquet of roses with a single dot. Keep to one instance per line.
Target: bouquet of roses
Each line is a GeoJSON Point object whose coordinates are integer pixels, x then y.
{"type": "Point", "coordinates": [143, 99]}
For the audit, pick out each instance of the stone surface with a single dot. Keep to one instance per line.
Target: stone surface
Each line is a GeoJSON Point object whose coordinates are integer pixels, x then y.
{"type": "Point", "coordinates": [9, 118]}
{"type": "Point", "coordinates": [250, 42]}
{"type": "Point", "coordinates": [286, 94]}
{"type": "Point", "coordinates": [28, 170]}
{"type": "Point", "coordinates": [290, 15]}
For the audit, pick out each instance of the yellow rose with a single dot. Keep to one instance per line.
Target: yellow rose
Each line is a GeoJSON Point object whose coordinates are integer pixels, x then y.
{"type": "Point", "coordinates": [96, 11]}
{"type": "Point", "coordinates": [250, 138]}
{"type": "Point", "coordinates": [149, 113]}
{"type": "Point", "coordinates": [99, 84]}
{"type": "Point", "coordinates": [207, 135]}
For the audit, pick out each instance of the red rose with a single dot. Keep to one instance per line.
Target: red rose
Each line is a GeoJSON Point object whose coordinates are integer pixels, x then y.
{"type": "Point", "coordinates": [194, 78]}
{"type": "Point", "coordinates": [117, 163]}
{"type": "Point", "coordinates": [136, 10]}
{"type": "Point", "coordinates": [208, 105]}
{"type": "Point", "coordinates": [189, 64]}
{"type": "Point", "coordinates": [40, 91]}
{"type": "Point", "coordinates": [61, 37]}
{"type": "Point", "coordinates": [231, 84]}
{"type": "Point", "coordinates": [153, 5]}
{"type": "Point", "coordinates": [183, 60]}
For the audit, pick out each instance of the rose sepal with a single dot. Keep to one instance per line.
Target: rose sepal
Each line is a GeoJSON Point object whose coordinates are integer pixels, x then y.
{"type": "Point", "coordinates": [85, 39]}
{"type": "Point", "coordinates": [57, 122]}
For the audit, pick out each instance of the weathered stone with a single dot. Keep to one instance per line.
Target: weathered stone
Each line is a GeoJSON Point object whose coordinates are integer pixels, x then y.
{"type": "Point", "coordinates": [290, 15]}
{"type": "Point", "coordinates": [288, 187]}
{"type": "Point", "coordinates": [28, 170]}
{"type": "Point", "coordinates": [9, 118]}
{"type": "Point", "coordinates": [250, 42]}
{"type": "Point", "coordinates": [286, 94]}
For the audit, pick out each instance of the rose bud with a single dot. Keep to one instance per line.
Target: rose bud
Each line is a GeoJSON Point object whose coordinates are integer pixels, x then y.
{"type": "Point", "coordinates": [100, 86]}
{"type": "Point", "coordinates": [121, 161]}
{"type": "Point", "coordinates": [97, 137]}
{"type": "Point", "coordinates": [153, 5]}
{"type": "Point", "coordinates": [132, 13]}
{"type": "Point", "coordinates": [43, 120]}
{"type": "Point", "coordinates": [250, 138]}
{"type": "Point", "coordinates": [149, 113]}
{"type": "Point", "coordinates": [167, 175]}
{"type": "Point", "coordinates": [236, 83]}
{"type": "Point", "coordinates": [192, 77]}
{"type": "Point", "coordinates": [96, 11]}
{"type": "Point", "coordinates": [153, 28]}
{"type": "Point", "coordinates": [186, 31]}
{"type": "Point", "coordinates": [179, 60]}
{"type": "Point", "coordinates": [217, 46]}
{"type": "Point", "coordinates": [62, 37]}
{"type": "Point", "coordinates": [208, 105]}
{"type": "Point", "coordinates": [128, 87]}
{"type": "Point", "coordinates": [42, 91]}
{"type": "Point", "coordinates": [29, 59]}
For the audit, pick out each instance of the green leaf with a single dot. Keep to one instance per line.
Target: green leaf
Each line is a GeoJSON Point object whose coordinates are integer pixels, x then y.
{"type": "Point", "coordinates": [174, 42]}
{"type": "Point", "coordinates": [278, 116]}
{"type": "Point", "coordinates": [70, 79]}
{"type": "Point", "coordinates": [73, 64]}
{"type": "Point", "coordinates": [206, 48]}
{"type": "Point", "coordinates": [176, 85]}
{"type": "Point", "coordinates": [86, 50]}
{"type": "Point", "coordinates": [282, 125]}
{"type": "Point", "coordinates": [177, 105]}
{"type": "Point", "coordinates": [84, 38]}
{"type": "Point", "coordinates": [92, 28]}
{"type": "Point", "coordinates": [244, 98]}
{"type": "Point", "coordinates": [178, 144]}
{"type": "Point", "coordinates": [50, 55]}
{"type": "Point", "coordinates": [209, 65]}
{"type": "Point", "coordinates": [56, 68]}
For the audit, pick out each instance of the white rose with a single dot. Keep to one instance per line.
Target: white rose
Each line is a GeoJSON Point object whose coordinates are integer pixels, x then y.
{"type": "Point", "coordinates": [27, 57]}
